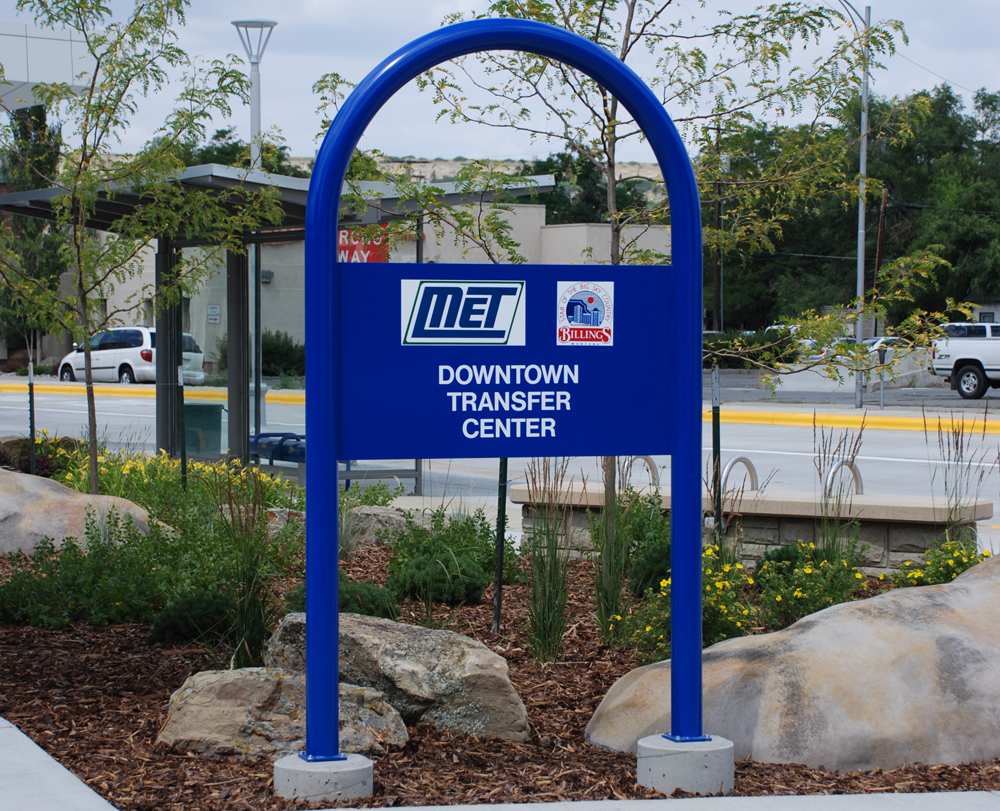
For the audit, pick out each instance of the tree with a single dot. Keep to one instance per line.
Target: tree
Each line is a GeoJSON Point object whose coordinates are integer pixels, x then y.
{"type": "Point", "coordinates": [130, 59]}
{"type": "Point", "coordinates": [581, 193]}
{"type": "Point", "coordinates": [226, 149]}
{"type": "Point", "coordinates": [35, 158]}
{"type": "Point", "coordinates": [724, 75]}
{"type": "Point", "coordinates": [753, 73]}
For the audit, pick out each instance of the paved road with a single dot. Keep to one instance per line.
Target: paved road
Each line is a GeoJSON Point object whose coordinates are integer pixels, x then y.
{"type": "Point", "coordinates": [897, 455]}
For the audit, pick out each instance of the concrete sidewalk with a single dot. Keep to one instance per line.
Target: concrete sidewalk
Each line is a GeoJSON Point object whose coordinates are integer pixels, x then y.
{"type": "Point", "coordinates": [950, 801]}
{"type": "Point", "coordinates": [32, 780]}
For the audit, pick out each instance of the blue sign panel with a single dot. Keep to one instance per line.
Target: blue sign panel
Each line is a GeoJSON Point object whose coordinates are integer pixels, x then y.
{"type": "Point", "coordinates": [504, 360]}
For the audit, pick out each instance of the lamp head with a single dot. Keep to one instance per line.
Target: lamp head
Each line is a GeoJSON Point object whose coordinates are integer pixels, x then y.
{"type": "Point", "coordinates": [254, 34]}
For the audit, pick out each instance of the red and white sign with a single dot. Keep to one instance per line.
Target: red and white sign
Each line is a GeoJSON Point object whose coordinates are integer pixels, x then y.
{"type": "Point", "coordinates": [352, 248]}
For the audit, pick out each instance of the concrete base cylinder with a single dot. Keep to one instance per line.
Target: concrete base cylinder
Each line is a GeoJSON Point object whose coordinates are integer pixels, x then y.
{"type": "Point", "coordinates": [697, 767]}
{"type": "Point", "coordinates": [298, 779]}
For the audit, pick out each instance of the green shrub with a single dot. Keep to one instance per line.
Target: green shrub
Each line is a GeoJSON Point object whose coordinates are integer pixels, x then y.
{"type": "Point", "coordinates": [735, 350]}
{"type": "Point", "coordinates": [649, 567]}
{"type": "Point", "coordinates": [943, 562]}
{"type": "Point", "coordinates": [280, 354]}
{"type": "Point", "coordinates": [111, 581]}
{"type": "Point", "coordinates": [354, 597]}
{"type": "Point", "coordinates": [639, 520]}
{"type": "Point", "coordinates": [453, 579]}
{"type": "Point", "coordinates": [791, 588]}
{"type": "Point", "coordinates": [468, 536]}
{"type": "Point", "coordinates": [40, 369]}
{"type": "Point", "coordinates": [727, 610]}
{"type": "Point", "coordinates": [789, 553]}
{"type": "Point", "coordinates": [200, 616]}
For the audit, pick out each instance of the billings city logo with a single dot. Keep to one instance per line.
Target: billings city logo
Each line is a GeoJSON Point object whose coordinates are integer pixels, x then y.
{"type": "Point", "coordinates": [585, 314]}
{"type": "Point", "coordinates": [462, 313]}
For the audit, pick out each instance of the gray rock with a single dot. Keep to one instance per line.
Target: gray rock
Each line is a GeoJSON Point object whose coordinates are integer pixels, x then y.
{"type": "Point", "coordinates": [372, 524]}
{"type": "Point", "coordinates": [908, 676]}
{"type": "Point", "coordinates": [33, 508]}
{"type": "Point", "coordinates": [260, 711]}
{"type": "Point", "coordinates": [431, 677]}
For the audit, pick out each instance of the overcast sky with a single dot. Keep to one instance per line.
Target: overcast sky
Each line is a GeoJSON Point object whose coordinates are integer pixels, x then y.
{"type": "Point", "coordinates": [955, 40]}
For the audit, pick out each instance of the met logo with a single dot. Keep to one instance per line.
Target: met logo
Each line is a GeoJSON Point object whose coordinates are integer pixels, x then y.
{"type": "Point", "coordinates": [462, 313]}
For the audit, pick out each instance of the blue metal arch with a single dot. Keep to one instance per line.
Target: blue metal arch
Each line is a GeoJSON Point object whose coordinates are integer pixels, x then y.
{"type": "Point", "coordinates": [322, 312]}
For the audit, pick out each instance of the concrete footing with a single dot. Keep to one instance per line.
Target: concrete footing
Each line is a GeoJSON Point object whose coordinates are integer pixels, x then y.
{"type": "Point", "coordinates": [324, 781]}
{"type": "Point", "coordinates": [697, 767]}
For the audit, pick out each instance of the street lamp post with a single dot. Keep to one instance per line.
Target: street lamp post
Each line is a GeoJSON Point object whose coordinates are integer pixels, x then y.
{"type": "Point", "coordinates": [254, 34]}
{"type": "Point", "coordinates": [859, 324]}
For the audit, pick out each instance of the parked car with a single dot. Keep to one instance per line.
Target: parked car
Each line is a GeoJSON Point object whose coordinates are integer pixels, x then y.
{"type": "Point", "coordinates": [969, 358]}
{"type": "Point", "coordinates": [128, 355]}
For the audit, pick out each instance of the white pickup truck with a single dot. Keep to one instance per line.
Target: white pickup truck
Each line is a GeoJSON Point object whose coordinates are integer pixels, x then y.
{"type": "Point", "coordinates": [969, 358]}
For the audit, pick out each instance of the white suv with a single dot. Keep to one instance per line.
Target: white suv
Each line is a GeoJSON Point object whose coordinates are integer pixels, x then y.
{"type": "Point", "coordinates": [969, 358]}
{"type": "Point", "coordinates": [128, 355]}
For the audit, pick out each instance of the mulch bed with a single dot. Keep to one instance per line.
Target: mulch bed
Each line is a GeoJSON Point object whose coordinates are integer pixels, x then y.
{"type": "Point", "coordinates": [95, 698]}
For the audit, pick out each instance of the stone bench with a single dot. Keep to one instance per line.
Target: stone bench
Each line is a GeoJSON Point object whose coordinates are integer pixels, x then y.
{"type": "Point", "coordinates": [896, 528]}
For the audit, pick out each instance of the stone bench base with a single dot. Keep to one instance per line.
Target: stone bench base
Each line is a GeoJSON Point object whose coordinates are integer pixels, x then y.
{"type": "Point", "coordinates": [896, 528]}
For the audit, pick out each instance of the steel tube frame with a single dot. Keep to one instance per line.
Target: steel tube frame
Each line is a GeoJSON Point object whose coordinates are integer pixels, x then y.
{"type": "Point", "coordinates": [322, 329]}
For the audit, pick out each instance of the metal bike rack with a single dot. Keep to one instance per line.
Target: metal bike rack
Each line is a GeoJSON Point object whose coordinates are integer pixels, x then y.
{"type": "Point", "coordinates": [859, 488]}
{"type": "Point", "coordinates": [742, 460]}
{"type": "Point", "coordinates": [654, 473]}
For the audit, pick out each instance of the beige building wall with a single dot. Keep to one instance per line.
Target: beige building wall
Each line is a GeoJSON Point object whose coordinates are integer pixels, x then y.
{"type": "Point", "coordinates": [283, 299]}
{"type": "Point", "coordinates": [590, 243]}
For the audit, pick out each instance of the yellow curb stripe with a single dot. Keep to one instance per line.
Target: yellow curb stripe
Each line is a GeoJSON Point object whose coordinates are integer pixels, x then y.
{"type": "Point", "coordinates": [871, 421]}
{"type": "Point", "coordinates": [736, 417]}
{"type": "Point", "coordinates": [286, 397]}
{"type": "Point", "coordinates": [148, 392]}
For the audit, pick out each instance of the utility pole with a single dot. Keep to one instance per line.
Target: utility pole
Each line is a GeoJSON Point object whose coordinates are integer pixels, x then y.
{"type": "Point", "coordinates": [878, 247]}
{"type": "Point", "coordinates": [859, 324]}
{"type": "Point", "coordinates": [717, 275]}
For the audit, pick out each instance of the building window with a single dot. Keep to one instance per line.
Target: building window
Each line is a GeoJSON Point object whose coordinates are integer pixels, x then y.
{"type": "Point", "coordinates": [985, 318]}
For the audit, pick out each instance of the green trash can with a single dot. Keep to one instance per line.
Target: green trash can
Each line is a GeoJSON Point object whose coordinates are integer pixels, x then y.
{"type": "Point", "coordinates": [203, 428]}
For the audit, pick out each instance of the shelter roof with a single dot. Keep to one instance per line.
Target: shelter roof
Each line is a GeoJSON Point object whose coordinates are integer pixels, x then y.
{"type": "Point", "coordinates": [292, 193]}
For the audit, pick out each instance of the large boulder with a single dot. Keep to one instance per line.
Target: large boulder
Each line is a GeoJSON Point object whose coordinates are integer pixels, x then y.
{"type": "Point", "coordinates": [908, 676]}
{"type": "Point", "coordinates": [431, 677]}
{"type": "Point", "coordinates": [372, 524]}
{"type": "Point", "coordinates": [260, 711]}
{"type": "Point", "coordinates": [33, 508]}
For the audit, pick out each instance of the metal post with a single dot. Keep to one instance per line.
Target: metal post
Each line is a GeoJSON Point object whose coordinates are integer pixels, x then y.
{"type": "Point", "coordinates": [859, 326]}
{"type": "Point", "coordinates": [168, 356]}
{"type": "Point", "coordinates": [257, 342]}
{"type": "Point", "coordinates": [881, 378]}
{"type": "Point", "coordinates": [31, 410]}
{"type": "Point", "coordinates": [501, 532]}
{"type": "Point", "coordinates": [238, 369]}
{"type": "Point", "coordinates": [254, 35]}
{"type": "Point", "coordinates": [180, 421]}
{"type": "Point", "coordinates": [254, 114]}
{"type": "Point", "coordinates": [720, 528]}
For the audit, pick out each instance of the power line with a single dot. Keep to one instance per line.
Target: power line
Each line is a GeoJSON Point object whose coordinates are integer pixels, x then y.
{"type": "Point", "coordinates": [948, 208]}
{"type": "Point", "coordinates": [804, 255]}
{"type": "Point", "coordinates": [932, 73]}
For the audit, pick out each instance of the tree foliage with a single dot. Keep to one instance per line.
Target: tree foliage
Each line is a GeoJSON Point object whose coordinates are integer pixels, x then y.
{"type": "Point", "coordinates": [33, 158]}
{"type": "Point", "coordinates": [129, 56]}
{"type": "Point", "coordinates": [226, 149]}
{"type": "Point", "coordinates": [726, 74]}
{"type": "Point", "coordinates": [941, 169]}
